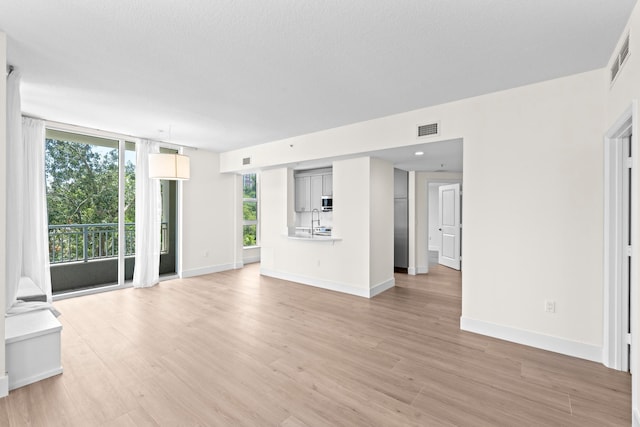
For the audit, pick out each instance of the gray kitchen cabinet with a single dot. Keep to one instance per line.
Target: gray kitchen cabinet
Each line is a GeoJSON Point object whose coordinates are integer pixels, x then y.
{"type": "Point", "coordinates": [327, 185]}
{"type": "Point", "coordinates": [401, 220]}
{"type": "Point", "coordinates": [310, 186]}
{"type": "Point", "coordinates": [316, 192]}
{"type": "Point", "coordinates": [303, 193]}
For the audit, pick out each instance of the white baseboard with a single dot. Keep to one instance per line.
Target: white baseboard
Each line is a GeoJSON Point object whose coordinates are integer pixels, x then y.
{"type": "Point", "coordinates": [412, 271]}
{"type": "Point", "coordinates": [381, 287]}
{"type": "Point", "coordinates": [327, 284]}
{"type": "Point", "coordinates": [533, 339]}
{"type": "Point", "coordinates": [251, 259]}
{"type": "Point", "coordinates": [635, 422]}
{"type": "Point", "coordinates": [210, 269]}
{"type": "Point", "coordinates": [35, 378]}
{"type": "Point", "coordinates": [4, 386]}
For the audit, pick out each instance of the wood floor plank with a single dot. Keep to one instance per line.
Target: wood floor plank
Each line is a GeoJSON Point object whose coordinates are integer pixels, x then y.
{"type": "Point", "coordinates": [235, 348]}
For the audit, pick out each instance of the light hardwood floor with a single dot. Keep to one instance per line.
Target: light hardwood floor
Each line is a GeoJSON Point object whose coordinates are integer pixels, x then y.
{"type": "Point", "coordinates": [235, 348]}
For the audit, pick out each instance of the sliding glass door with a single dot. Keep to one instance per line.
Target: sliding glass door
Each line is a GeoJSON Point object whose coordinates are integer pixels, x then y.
{"type": "Point", "coordinates": [91, 209]}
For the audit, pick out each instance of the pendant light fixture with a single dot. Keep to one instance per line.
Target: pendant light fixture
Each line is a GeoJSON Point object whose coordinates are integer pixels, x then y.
{"type": "Point", "coordinates": [170, 166]}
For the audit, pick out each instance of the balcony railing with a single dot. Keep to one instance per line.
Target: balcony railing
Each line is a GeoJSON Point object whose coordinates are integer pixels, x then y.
{"type": "Point", "coordinates": [86, 242]}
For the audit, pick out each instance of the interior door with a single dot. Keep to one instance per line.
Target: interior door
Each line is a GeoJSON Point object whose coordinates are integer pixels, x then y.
{"type": "Point", "coordinates": [449, 223]}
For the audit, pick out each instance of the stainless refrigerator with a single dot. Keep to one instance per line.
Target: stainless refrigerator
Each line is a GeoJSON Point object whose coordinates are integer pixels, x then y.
{"type": "Point", "coordinates": [401, 220]}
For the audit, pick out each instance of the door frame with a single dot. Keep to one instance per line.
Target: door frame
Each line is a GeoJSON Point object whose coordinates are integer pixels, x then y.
{"type": "Point", "coordinates": [436, 180]}
{"type": "Point", "coordinates": [616, 310]}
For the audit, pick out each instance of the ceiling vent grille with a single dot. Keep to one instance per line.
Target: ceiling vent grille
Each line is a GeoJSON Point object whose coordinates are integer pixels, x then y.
{"type": "Point", "coordinates": [620, 59]}
{"type": "Point", "coordinates": [246, 161]}
{"type": "Point", "coordinates": [430, 129]}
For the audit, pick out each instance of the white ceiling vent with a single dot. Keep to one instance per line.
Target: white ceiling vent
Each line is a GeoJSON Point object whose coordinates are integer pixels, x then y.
{"type": "Point", "coordinates": [620, 58]}
{"type": "Point", "coordinates": [246, 161]}
{"type": "Point", "coordinates": [430, 129]}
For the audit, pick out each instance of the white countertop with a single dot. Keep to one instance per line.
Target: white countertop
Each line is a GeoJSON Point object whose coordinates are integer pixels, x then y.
{"type": "Point", "coordinates": [314, 238]}
{"type": "Point", "coordinates": [303, 233]}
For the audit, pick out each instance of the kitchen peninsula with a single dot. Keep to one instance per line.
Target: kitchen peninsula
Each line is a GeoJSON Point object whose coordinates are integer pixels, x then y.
{"type": "Point", "coordinates": [357, 257]}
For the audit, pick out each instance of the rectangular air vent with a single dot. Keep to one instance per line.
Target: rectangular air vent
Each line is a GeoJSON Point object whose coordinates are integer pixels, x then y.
{"type": "Point", "coordinates": [614, 70]}
{"type": "Point", "coordinates": [624, 51]}
{"type": "Point", "coordinates": [246, 161]}
{"type": "Point", "coordinates": [430, 129]}
{"type": "Point", "coordinates": [620, 58]}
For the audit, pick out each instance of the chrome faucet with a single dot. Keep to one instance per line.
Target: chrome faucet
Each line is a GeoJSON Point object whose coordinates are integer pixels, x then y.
{"type": "Point", "coordinates": [314, 220]}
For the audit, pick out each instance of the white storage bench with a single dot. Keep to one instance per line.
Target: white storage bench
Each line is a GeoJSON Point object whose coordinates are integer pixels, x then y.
{"type": "Point", "coordinates": [32, 343]}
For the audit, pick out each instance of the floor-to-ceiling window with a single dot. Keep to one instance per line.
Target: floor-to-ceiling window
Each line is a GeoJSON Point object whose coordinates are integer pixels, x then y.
{"type": "Point", "coordinates": [91, 211]}
{"type": "Point", "coordinates": [251, 229]}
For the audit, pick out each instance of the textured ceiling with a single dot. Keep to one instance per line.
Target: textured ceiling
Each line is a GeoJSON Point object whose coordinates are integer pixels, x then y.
{"type": "Point", "coordinates": [226, 74]}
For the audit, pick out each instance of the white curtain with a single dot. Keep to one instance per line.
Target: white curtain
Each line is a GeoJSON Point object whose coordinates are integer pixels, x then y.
{"type": "Point", "coordinates": [148, 217]}
{"type": "Point", "coordinates": [35, 250]}
{"type": "Point", "coordinates": [15, 166]}
{"type": "Point", "coordinates": [27, 230]}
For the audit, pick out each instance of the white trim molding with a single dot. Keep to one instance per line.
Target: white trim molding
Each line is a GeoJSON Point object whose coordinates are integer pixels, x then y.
{"type": "Point", "coordinates": [381, 287]}
{"type": "Point", "coordinates": [418, 270]}
{"type": "Point", "coordinates": [619, 273]}
{"type": "Point", "coordinates": [35, 378]}
{"type": "Point", "coordinates": [533, 339]}
{"type": "Point", "coordinates": [251, 260]}
{"type": "Point", "coordinates": [4, 386]}
{"type": "Point", "coordinates": [329, 285]}
{"type": "Point", "coordinates": [211, 269]}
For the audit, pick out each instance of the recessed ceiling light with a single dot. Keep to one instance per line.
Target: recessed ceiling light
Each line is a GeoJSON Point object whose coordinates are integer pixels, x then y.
{"type": "Point", "coordinates": [419, 153]}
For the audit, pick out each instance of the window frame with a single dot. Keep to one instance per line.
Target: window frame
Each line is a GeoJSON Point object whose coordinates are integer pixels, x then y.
{"type": "Point", "coordinates": [255, 200]}
{"type": "Point", "coordinates": [123, 142]}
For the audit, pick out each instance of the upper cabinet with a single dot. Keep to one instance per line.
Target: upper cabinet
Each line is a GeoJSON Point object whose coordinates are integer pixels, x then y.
{"type": "Point", "coordinates": [310, 186]}
{"type": "Point", "coordinates": [327, 184]}
{"type": "Point", "coordinates": [316, 192]}
{"type": "Point", "coordinates": [303, 193]}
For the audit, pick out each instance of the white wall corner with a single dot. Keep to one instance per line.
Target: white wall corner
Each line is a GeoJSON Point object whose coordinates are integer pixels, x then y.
{"type": "Point", "coordinates": [211, 269]}
{"type": "Point", "coordinates": [251, 260]}
{"type": "Point", "coordinates": [381, 287]}
{"type": "Point", "coordinates": [318, 283]}
{"type": "Point", "coordinates": [4, 385]}
{"type": "Point", "coordinates": [533, 339]}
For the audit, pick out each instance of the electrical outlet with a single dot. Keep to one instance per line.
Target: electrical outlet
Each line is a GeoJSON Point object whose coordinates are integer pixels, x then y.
{"type": "Point", "coordinates": [549, 306]}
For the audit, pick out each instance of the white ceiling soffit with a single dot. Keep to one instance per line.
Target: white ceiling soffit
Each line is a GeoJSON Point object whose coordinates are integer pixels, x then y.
{"type": "Point", "coordinates": [228, 74]}
{"type": "Point", "coordinates": [440, 156]}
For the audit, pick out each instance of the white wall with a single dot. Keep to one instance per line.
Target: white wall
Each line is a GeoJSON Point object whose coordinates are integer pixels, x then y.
{"type": "Point", "coordinates": [381, 233]}
{"type": "Point", "coordinates": [211, 217]}
{"type": "Point", "coordinates": [4, 384]}
{"type": "Point", "coordinates": [620, 95]}
{"type": "Point", "coordinates": [250, 255]}
{"type": "Point", "coordinates": [533, 185]}
{"type": "Point", "coordinates": [434, 233]}
{"type": "Point", "coordinates": [532, 214]}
